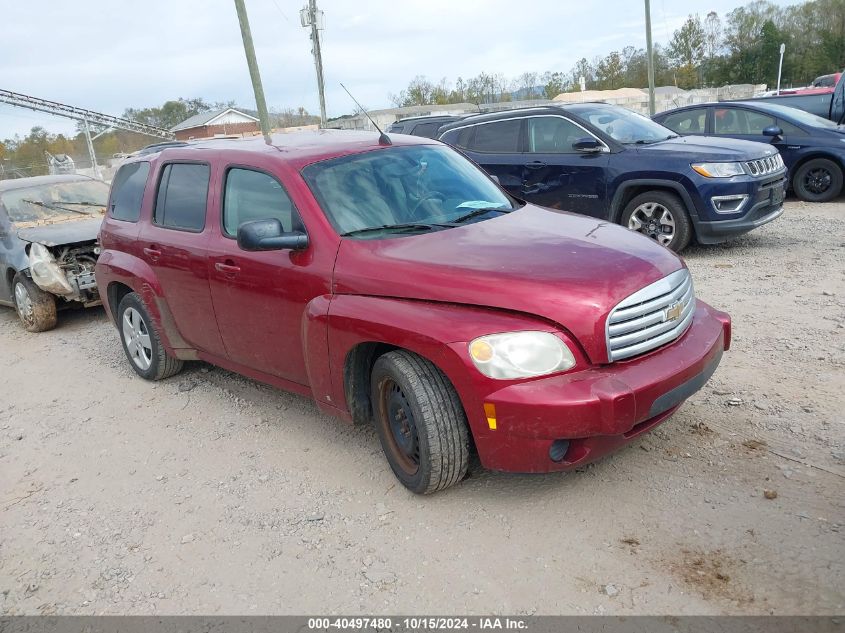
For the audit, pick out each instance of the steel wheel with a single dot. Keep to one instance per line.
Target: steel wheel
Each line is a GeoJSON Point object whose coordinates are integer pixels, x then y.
{"type": "Point", "coordinates": [137, 339]}
{"type": "Point", "coordinates": [818, 180]}
{"type": "Point", "coordinates": [404, 437]}
{"type": "Point", "coordinates": [23, 303]}
{"type": "Point", "coordinates": [655, 220]}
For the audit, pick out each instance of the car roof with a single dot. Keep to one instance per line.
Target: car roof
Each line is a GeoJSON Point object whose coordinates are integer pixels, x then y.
{"type": "Point", "coordinates": [35, 181]}
{"type": "Point", "coordinates": [573, 108]}
{"type": "Point", "coordinates": [297, 149]}
{"type": "Point", "coordinates": [433, 117]}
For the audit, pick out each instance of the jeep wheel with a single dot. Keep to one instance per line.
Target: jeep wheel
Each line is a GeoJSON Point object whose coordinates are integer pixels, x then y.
{"type": "Point", "coordinates": [141, 341]}
{"type": "Point", "coordinates": [36, 308]}
{"type": "Point", "coordinates": [661, 216]}
{"type": "Point", "coordinates": [420, 422]}
{"type": "Point", "coordinates": [817, 180]}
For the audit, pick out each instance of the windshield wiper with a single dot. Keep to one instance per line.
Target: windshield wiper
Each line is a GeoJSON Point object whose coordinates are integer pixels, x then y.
{"type": "Point", "coordinates": [38, 203]}
{"type": "Point", "coordinates": [476, 212]}
{"type": "Point", "coordinates": [85, 203]}
{"type": "Point", "coordinates": [409, 226]}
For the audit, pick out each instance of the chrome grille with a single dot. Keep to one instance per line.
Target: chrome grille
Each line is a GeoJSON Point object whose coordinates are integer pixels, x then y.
{"type": "Point", "coordinates": [644, 321]}
{"type": "Point", "coordinates": [764, 166]}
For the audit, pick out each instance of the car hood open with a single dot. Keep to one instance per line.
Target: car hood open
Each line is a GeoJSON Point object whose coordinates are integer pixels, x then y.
{"type": "Point", "coordinates": [62, 233]}
{"type": "Point", "coordinates": [562, 267]}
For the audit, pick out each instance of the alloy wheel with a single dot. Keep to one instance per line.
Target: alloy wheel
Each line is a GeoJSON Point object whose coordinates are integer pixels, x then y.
{"type": "Point", "coordinates": [817, 181]}
{"type": "Point", "coordinates": [136, 336]}
{"type": "Point", "coordinates": [655, 220]}
{"type": "Point", "coordinates": [23, 302]}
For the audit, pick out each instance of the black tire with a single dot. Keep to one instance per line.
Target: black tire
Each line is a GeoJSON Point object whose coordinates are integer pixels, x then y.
{"type": "Point", "coordinates": [673, 205]}
{"type": "Point", "coordinates": [817, 180]}
{"type": "Point", "coordinates": [37, 311]}
{"type": "Point", "coordinates": [429, 422]}
{"type": "Point", "coordinates": [157, 364]}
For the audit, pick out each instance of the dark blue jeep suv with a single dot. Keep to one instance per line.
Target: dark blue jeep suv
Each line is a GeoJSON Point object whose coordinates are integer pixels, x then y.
{"type": "Point", "coordinates": [608, 162]}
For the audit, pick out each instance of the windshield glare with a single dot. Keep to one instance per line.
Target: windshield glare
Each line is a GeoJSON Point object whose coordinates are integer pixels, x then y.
{"type": "Point", "coordinates": [56, 201]}
{"type": "Point", "coordinates": [624, 125]}
{"type": "Point", "coordinates": [421, 184]}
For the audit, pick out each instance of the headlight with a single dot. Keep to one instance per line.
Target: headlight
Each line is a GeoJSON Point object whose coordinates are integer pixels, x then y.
{"type": "Point", "coordinates": [718, 170]}
{"type": "Point", "coordinates": [520, 355]}
{"type": "Point", "coordinates": [46, 272]}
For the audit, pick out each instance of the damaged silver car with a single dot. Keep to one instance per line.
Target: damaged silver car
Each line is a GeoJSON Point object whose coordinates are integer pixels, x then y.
{"type": "Point", "coordinates": [48, 245]}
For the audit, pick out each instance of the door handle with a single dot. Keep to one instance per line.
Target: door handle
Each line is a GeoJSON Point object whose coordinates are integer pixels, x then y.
{"type": "Point", "coordinates": [227, 269]}
{"type": "Point", "coordinates": [537, 164]}
{"type": "Point", "coordinates": [152, 252]}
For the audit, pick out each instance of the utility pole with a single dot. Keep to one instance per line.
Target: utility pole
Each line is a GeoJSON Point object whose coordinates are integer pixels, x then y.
{"type": "Point", "coordinates": [310, 16]}
{"type": "Point", "coordinates": [780, 64]}
{"type": "Point", "coordinates": [254, 75]}
{"type": "Point", "coordinates": [650, 55]}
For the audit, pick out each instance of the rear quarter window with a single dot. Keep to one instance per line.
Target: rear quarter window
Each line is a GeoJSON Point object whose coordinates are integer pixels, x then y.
{"type": "Point", "coordinates": [127, 191]}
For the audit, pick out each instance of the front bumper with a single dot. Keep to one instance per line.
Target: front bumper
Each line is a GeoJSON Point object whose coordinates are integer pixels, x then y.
{"type": "Point", "coordinates": [765, 204]}
{"type": "Point", "coordinates": [601, 408]}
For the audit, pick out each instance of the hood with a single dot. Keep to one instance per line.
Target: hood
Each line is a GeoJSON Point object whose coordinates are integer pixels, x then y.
{"type": "Point", "coordinates": [562, 267]}
{"type": "Point", "coordinates": [62, 233]}
{"type": "Point", "coordinates": [708, 148]}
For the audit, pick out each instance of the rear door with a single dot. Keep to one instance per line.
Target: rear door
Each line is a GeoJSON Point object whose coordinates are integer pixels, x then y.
{"type": "Point", "coordinates": [175, 245]}
{"type": "Point", "coordinates": [557, 175]}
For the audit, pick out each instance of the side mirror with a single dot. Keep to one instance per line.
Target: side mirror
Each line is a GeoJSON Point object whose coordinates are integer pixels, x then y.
{"type": "Point", "coordinates": [587, 144]}
{"type": "Point", "coordinates": [773, 130]}
{"type": "Point", "coordinates": [268, 235]}
{"type": "Point", "coordinates": [495, 179]}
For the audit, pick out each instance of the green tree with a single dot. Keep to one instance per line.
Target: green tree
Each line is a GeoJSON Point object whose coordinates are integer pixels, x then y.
{"type": "Point", "coordinates": [686, 50]}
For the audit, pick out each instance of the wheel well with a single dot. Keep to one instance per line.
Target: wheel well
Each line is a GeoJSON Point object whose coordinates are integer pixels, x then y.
{"type": "Point", "coordinates": [805, 159]}
{"type": "Point", "coordinates": [356, 378]}
{"type": "Point", "coordinates": [10, 275]}
{"type": "Point", "coordinates": [115, 293]}
{"type": "Point", "coordinates": [629, 193]}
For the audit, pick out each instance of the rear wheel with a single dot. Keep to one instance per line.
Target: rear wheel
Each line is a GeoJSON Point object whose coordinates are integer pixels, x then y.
{"type": "Point", "coordinates": [661, 216]}
{"type": "Point", "coordinates": [420, 422]}
{"type": "Point", "coordinates": [817, 180]}
{"type": "Point", "coordinates": [36, 308]}
{"type": "Point", "coordinates": [141, 341]}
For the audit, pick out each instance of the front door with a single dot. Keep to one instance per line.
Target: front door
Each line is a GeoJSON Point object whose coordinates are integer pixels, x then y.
{"type": "Point", "coordinates": [175, 245]}
{"type": "Point", "coordinates": [557, 175]}
{"type": "Point", "coordinates": [745, 124]}
{"type": "Point", "coordinates": [259, 297]}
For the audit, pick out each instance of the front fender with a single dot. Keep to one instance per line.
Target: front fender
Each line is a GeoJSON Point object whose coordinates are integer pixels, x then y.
{"type": "Point", "coordinates": [656, 183]}
{"type": "Point", "coordinates": [435, 331]}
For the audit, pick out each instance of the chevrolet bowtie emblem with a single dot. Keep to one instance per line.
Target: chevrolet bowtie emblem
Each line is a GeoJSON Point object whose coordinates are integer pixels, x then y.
{"type": "Point", "coordinates": [673, 312]}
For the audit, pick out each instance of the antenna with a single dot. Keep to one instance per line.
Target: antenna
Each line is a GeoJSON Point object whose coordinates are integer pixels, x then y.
{"type": "Point", "coordinates": [383, 139]}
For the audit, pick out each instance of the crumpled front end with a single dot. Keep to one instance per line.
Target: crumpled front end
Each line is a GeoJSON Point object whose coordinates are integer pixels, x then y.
{"type": "Point", "coordinates": [65, 271]}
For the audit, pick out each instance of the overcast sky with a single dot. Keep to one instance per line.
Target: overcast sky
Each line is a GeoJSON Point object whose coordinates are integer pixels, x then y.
{"type": "Point", "coordinates": [107, 55]}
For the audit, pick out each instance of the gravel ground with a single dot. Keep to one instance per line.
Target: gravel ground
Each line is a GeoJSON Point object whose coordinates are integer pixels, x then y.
{"type": "Point", "coordinates": [210, 493]}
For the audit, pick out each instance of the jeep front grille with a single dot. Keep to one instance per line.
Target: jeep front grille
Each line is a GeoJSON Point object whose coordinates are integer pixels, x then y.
{"type": "Point", "coordinates": [765, 166]}
{"type": "Point", "coordinates": [651, 317]}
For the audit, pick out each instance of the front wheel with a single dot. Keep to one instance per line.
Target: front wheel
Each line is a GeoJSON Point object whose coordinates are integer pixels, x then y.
{"type": "Point", "coordinates": [661, 216]}
{"type": "Point", "coordinates": [420, 422]}
{"type": "Point", "coordinates": [817, 180]}
{"type": "Point", "coordinates": [36, 308]}
{"type": "Point", "coordinates": [141, 341]}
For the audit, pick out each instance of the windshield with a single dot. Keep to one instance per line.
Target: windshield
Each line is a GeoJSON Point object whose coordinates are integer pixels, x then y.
{"type": "Point", "coordinates": [624, 125]}
{"type": "Point", "coordinates": [799, 116]}
{"type": "Point", "coordinates": [409, 189]}
{"type": "Point", "coordinates": [56, 202]}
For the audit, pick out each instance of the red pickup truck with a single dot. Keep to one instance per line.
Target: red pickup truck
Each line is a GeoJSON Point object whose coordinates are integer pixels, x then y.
{"type": "Point", "coordinates": [396, 283]}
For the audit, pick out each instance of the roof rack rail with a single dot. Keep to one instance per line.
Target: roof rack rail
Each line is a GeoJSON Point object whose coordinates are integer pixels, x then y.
{"type": "Point", "coordinates": [157, 147]}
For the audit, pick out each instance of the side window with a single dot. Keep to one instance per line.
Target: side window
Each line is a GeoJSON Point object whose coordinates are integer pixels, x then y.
{"type": "Point", "coordinates": [553, 135]}
{"type": "Point", "coordinates": [789, 129]}
{"type": "Point", "coordinates": [429, 130]}
{"type": "Point", "coordinates": [182, 196]}
{"type": "Point", "coordinates": [253, 195]}
{"type": "Point", "coordinates": [738, 121]}
{"type": "Point", "coordinates": [687, 122]}
{"type": "Point", "coordinates": [127, 191]}
{"type": "Point", "coordinates": [501, 136]}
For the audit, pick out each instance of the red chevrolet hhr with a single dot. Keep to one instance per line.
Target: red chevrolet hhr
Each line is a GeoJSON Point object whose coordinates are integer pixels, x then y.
{"type": "Point", "coordinates": [397, 284]}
